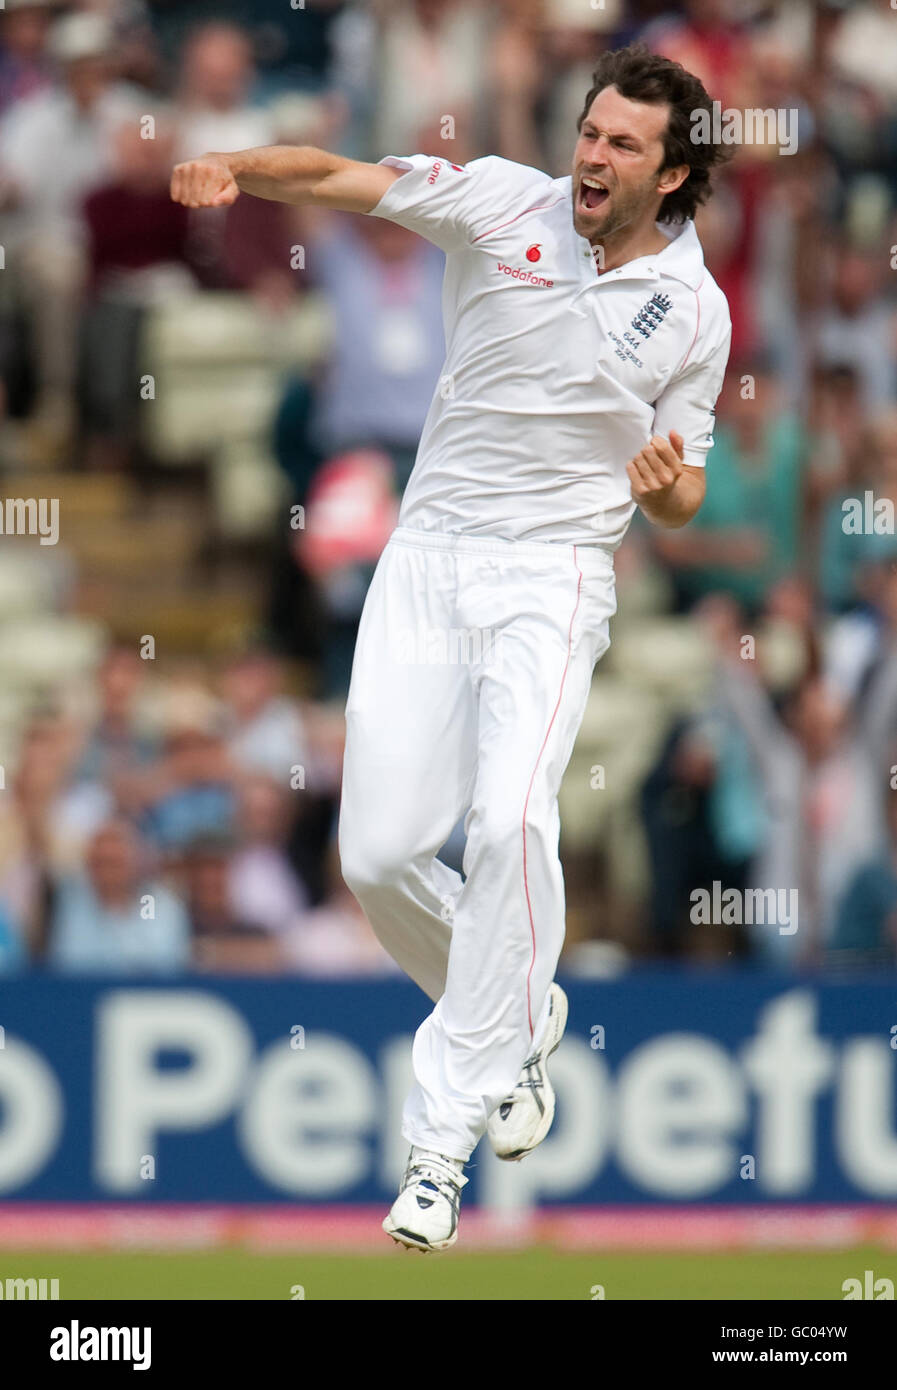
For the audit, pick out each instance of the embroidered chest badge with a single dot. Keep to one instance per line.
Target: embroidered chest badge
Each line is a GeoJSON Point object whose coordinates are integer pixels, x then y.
{"type": "Point", "coordinates": [652, 314]}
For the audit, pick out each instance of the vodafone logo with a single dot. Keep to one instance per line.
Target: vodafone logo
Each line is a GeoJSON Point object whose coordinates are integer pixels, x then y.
{"type": "Point", "coordinates": [436, 168]}
{"type": "Point", "coordinates": [525, 276]}
{"type": "Point", "coordinates": [533, 253]}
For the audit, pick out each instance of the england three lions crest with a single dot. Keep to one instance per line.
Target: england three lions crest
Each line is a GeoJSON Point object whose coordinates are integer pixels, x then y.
{"type": "Point", "coordinates": [652, 314]}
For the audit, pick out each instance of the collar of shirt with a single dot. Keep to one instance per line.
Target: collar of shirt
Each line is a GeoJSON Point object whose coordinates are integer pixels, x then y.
{"type": "Point", "coordinates": [681, 259]}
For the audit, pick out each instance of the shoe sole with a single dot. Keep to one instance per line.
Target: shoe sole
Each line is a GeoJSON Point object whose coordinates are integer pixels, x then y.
{"type": "Point", "coordinates": [559, 1015]}
{"type": "Point", "coordinates": [412, 1241]}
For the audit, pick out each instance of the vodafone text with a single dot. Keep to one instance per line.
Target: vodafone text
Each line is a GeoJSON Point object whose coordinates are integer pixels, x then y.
{"type": "Point", "coordinates": [527, 276]}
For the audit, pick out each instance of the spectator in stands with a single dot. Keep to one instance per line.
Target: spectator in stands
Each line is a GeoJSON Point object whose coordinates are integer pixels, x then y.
{"type": "Point", "coordinates": [265, 888]}
{"type": "Point", "coordinates": [35, 835]}
{"type": "Point", "coordinates": [292, 56]}
{"type": "Point", "coordinates": [747, 534]}
{"type": "Point", "coordinates": [838, 467]}
{"type": "Point", "coordinates": [289, 55]}
{"type": "Point", "coordinates": [292, 748]}
{"type": "Point", "coordinates": [336, 938]}
{"type": "Point", "coordinates": [25, 67]}
{"type": "Point", "coordinates": [351, 511]}
{"type": "Point", "coordinates": [263, 725]}
{"type": "Point", "coordinates": [856, 87]}
{"type": "Point", "coordinates": [859, 642]}
{"type": "Point", "coordinates": [139, 256]}
{"type": "Point", "coordinates": [822, 770]}
{"type": "Point", "coordinates": [854, 539]}
{"type": "Point", "coordinates": [858, 325]}
{"type": "Point", "coordinates": [213, 109]}
{"type": "Point", "coordinates": [222, 940]}
{"type": "Point", "coordinates": [708, 40]}
{"type": "Point", "coordinates": [119, 742]}
{"type": "Point", "coordinates": [865, 931]}
{"type": "Point", "coordinates": [54, 148]}
{"type": "Point", "coordinates": [384, 287]}
{"type": "Point", "coordinates": [190, 792]}
{"type": "Point", "coordinates": [113, 919]}
{"type": "Point", "coordinates": [263, 243]}
{"type": "Point", "coordinates": [677, 804]}
{"type": "Point", "coordinates": [431, 80]}
{"type": "Point", "coordinates": [544, 56]}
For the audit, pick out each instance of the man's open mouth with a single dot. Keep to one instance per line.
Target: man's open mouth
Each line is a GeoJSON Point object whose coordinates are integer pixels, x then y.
{"type": "Point", "coordinates": [593, 194]}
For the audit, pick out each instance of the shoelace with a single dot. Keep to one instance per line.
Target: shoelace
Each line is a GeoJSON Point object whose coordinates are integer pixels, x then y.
{"type": "Point", "coordinates": [532, 1072]}
{"type": "Point", "coordinates": [439, 1175]}
{"type": "Point", "coordinates": [531, 1083]}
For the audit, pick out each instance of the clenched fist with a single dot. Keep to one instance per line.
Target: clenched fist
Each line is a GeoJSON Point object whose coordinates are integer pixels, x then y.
{"type": "Point", "coordinates": [654, 471]}
{"type": "Point", "coordinates": [206, 182]}
{"type": "Point", "coordinates": [668, 491]}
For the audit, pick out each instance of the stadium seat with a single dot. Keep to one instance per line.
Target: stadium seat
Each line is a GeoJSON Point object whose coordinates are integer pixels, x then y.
{"type": "Point", "coordinates": [217, 360]}
{"type": "Point", "coordinates": [45, 652]}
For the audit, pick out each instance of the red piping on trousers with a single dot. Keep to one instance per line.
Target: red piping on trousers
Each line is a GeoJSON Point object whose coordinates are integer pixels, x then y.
{"type": "Point", "coordinates": [529, 906]}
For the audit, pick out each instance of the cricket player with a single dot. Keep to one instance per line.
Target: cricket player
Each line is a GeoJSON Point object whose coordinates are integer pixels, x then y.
{"type": "Point", "coordinates": [585, 350]}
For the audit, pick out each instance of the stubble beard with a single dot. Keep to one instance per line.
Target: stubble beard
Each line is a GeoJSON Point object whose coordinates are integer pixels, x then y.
{"type": "Point", "coordinates": [626, 211]}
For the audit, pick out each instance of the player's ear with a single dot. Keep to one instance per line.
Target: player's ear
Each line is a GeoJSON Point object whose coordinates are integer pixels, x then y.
{"type": "Point", "coordinates": [671, 179]}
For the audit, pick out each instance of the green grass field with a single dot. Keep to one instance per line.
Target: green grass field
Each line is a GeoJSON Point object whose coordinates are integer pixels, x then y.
{"type": "Point", "coordinates": [404, 1275]}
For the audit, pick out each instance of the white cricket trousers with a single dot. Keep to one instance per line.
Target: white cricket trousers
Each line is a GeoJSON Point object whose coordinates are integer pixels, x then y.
{"type": "Point", "coordinates": [470, 679]}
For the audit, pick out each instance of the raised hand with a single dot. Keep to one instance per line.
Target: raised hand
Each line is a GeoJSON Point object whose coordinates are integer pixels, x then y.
{"type": "Point", "coordinates": [206, 182]}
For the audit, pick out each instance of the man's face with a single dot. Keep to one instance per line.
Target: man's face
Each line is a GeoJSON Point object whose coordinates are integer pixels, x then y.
{"type": "Point", "coordinates": [620, 146]}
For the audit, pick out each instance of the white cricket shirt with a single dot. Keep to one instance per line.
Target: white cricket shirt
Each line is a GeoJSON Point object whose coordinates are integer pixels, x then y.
{"type": "Point", "coordinates": [555, 376]}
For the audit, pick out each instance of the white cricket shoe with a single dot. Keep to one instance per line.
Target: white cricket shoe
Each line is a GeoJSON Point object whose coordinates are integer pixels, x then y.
{"type": "Point", "coordinates": [524, 1117]}
{"type": "Point", "coordinates": [424, 1216]}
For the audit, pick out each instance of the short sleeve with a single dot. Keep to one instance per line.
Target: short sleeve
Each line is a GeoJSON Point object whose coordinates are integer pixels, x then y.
{"type": "Point", "coordinates": [688, 403]}
{"type": "Point", "coordinates": [454, 205]}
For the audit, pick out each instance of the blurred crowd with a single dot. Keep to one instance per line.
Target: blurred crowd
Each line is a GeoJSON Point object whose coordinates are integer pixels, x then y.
{"type": "Point", "coordinates": [187, 823]}
{"type": "Point", "coordinates": [188, 820]}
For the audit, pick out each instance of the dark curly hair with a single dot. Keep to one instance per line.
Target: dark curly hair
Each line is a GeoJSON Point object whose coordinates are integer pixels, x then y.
{"type": "Point", "coordinates": [641, 75]}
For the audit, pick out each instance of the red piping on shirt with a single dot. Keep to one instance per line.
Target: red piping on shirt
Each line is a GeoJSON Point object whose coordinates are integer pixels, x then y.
{"type": "Point", "coordinates": [539, 208]}
{"type": "Point", "coordinates": [697, 325]}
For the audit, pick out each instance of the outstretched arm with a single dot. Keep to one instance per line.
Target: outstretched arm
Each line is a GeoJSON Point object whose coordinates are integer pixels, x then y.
{"type": "Point", "coordinates": [297, 174]}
